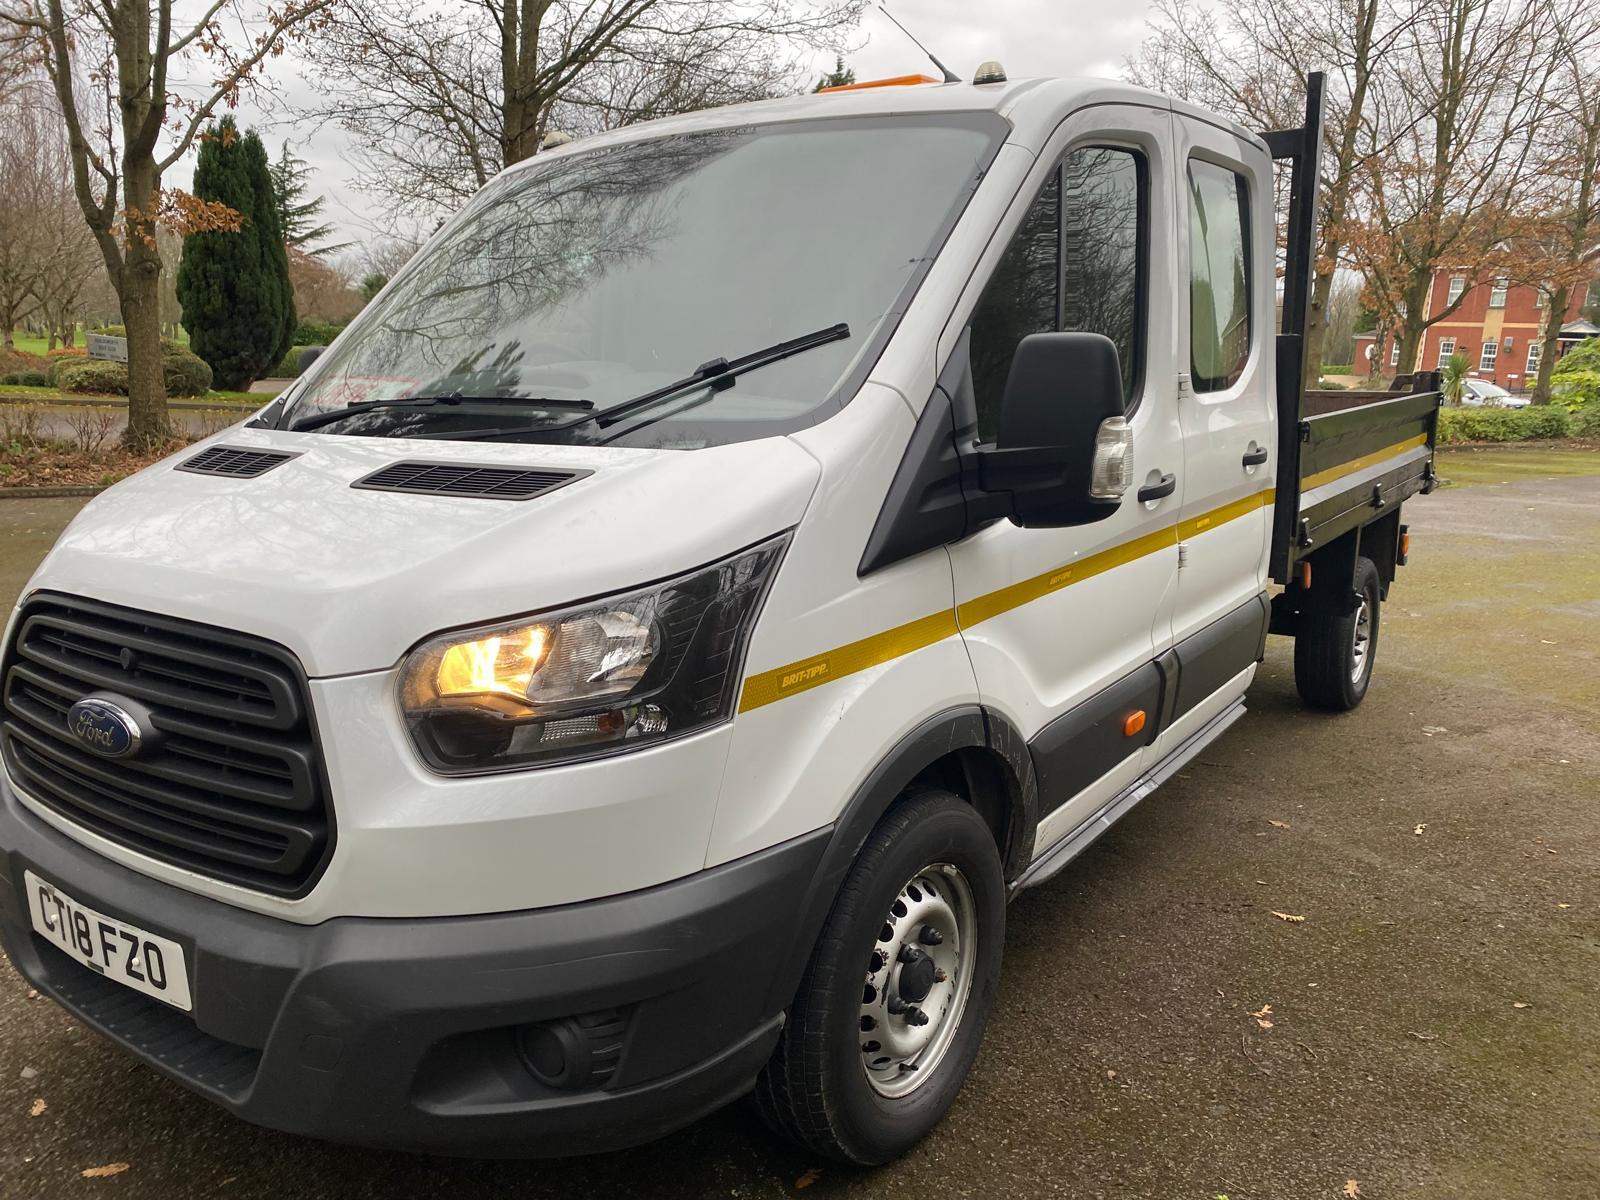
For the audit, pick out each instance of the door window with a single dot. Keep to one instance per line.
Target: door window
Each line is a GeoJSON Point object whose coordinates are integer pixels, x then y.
{"type": "Point", "coordinates": [1219, 276]}
{"type": "Point", "coordinates": [1021, 298]}
{"type": "Point", "coordinates": [1076, 264]}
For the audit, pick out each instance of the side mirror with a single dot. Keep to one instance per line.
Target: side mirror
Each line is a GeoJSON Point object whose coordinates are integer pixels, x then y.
{"type": "Point", "coordinates": [1063, 452]}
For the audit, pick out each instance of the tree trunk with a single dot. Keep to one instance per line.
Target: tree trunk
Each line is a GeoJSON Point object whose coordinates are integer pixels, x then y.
{"type": "Point", "coordinates": [1549, 338]}
{"type": "Point", "coordinates": [141, 320]}
{"type": "Point", "coordinates": [1316, 329]}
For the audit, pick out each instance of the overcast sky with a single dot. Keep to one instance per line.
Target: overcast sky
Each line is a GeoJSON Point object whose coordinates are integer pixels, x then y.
{"type": "Point", "coordinates": [1029, 37]}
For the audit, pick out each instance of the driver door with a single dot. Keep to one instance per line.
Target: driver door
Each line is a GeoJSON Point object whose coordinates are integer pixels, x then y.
{"type": "Point", "coordinates": [1063, 625]}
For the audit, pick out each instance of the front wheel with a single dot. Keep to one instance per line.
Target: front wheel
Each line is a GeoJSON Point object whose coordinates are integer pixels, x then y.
{"type": "Point", "coordinates": [894, 1001]}
{"type": "Point", "coordinates": [1336, 645]}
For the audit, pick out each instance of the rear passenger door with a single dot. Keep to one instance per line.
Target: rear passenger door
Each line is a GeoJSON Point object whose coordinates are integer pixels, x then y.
{"type": "Point", "coordinates": [1226, 402]}
{"type": "Point", "coordinates": [1062, 624]}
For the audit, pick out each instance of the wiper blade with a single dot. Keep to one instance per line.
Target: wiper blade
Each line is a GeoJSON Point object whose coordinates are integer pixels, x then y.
{"type": "Point", "coordinates": [719, 375]}
{"type": "Point", "coordinates": [554, 404]}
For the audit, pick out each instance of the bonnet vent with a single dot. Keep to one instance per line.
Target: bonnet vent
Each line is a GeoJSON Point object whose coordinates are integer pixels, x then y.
{"type": "Point", "coordinates": [466, 479]}
{"type": "Point", "coordinates": [233, 462]}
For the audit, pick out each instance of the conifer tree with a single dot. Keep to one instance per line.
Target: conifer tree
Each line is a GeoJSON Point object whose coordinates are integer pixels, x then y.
{"type": "Point", "coordinates": [238, 302]}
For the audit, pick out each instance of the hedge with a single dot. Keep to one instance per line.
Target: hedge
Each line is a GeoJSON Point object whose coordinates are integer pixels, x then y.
{"type": "Point", "coordinates": [1336, 369]}
{"type": "Point", "coordinates": [185, 373]}
{"type": "Point", "coordinates": [26, 379]}
{"type": "Point", "coordinates": [1459, 426]}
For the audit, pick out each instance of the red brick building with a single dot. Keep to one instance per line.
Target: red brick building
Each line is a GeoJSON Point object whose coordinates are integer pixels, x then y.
{"type": "Point", "coordinates": [1499, 327]}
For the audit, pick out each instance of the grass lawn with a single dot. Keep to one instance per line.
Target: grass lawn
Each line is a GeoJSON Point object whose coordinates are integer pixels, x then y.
{"type": "Point", "coordinates": [33, 343]}
{"type": "Point", "coordinates": [47, 395]}
{"type": "Point", "coordinates": [1459, 465]}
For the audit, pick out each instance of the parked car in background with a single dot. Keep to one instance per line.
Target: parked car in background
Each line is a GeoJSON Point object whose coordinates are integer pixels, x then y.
{"type": "Point", "coordinates": [1480, 393]}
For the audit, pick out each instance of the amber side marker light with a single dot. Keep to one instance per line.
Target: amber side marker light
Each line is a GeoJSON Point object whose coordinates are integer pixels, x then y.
{"type": "Point", "coordinates": [1305, 575]}
{"type": "Point", "coordinates": [1133, 723]}
{"type": "Point", "coordinates": [892, 81]}
{"type": "Point", "coordinates": [1405, 545]}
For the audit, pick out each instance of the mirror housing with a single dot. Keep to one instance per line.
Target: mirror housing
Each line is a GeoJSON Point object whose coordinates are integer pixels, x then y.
{"type": "Point", "coordinates": [1063, 454]}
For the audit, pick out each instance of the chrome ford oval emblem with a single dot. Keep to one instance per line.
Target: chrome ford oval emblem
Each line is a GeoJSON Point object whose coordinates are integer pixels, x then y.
{"type": "Point", "coordinates": [105, 727]}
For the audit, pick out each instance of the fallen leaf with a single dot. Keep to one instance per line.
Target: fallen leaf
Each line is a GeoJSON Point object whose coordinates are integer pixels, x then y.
{"type": "Point", "coordinates": [1279, 824]}
{"type": "Point", "coordinates": [1520, 1004]}
{"type": "Point", "coordinates": [1289, 917]}
{"type": "Point", "coordinates": [1352, 1189]}
{"type": "Point", "coordinates": [1419, 830]}
{"type": "Point", "coordinates": [1424, 1037]}
{"type": "Point", "coordinates": [103, 1172]}
{"type": "Point", "coordinates": [1563, 906]}
{"type": "Point", "coordinates": [808, 1179]}
{"type": "Point", "coordinates": [1262, 1016]}
{"type": "Point", "coordinates": [38, 1108]}
{"type": "Point", "coordinates": [1111, 1074]}
{"type": "Point", "coordinates": [1430, 730]}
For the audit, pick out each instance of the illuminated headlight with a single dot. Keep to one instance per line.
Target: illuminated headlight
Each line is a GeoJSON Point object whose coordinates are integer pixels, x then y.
{"type": "Point", "coordinates": [597, 678]}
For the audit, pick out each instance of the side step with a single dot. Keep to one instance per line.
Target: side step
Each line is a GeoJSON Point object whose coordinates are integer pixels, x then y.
{"type": "Point", "coordinates": [1081, 838]}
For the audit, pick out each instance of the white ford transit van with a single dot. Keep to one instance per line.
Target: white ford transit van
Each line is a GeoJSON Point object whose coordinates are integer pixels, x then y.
{"type": "Point", "coordinates": [636, 664]}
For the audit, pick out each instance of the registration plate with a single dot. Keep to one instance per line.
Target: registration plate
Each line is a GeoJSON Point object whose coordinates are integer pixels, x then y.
{"type": "Point", "coordinates": [140, 960]}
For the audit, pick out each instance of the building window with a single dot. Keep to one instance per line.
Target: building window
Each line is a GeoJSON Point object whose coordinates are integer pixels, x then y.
{"type": "Point", "coordinates": [1535, 350]}
{"type": "Point", "coordinates": [1394, 353]}
{"type": "Point", "coordinates": [1447, 347]}
{"type": "Point", "coordinates": [1458, 284]}
{"type": "Point", "coordinates": [1541, 298]}
{"type": "Point", "coordinates": [1497, 293]}
{"type": "Point", "coordinates": [1219, 276]}
{"type": "Point", "coordinates": [1491, 351]}
{"type": "Point", "coordinates": [1400, 310]}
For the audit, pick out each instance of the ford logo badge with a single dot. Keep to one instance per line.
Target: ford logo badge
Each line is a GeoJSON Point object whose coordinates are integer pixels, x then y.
{"type": "Point", "coordinates": [105, 727]}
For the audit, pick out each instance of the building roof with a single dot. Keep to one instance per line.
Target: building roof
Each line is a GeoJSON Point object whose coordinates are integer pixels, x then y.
{"type": "Point", "coordinates": [1579, 329]}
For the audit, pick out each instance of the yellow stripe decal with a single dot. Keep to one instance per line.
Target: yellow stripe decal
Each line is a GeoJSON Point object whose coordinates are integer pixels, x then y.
{"type": "Point", "coordinates": [1356, 464]}
{"type": "Point", "coordinates": [846, 660]}
{"type": "Point", "coordinates": [793, 678]}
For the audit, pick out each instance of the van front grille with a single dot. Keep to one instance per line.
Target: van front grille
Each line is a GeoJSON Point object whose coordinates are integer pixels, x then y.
{"type": "Point", "coordinates": [227, 782]}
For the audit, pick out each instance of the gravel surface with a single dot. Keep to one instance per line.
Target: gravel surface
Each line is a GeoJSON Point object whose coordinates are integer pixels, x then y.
{"type": "Point", "coordinates": [1434, 1020]}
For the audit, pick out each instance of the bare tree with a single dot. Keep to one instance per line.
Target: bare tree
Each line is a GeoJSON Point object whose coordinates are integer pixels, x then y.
{"type": "Point", "coordinates": [1560, 257]}
{"type": "Point", "coordinates": [442, 97]}
{"type": "Point", "coordinates": [1455, 116]}
{"type": "Point", "coordinates": [1250, 60]}
{"type": "Point", "coordinates": [114, 66]}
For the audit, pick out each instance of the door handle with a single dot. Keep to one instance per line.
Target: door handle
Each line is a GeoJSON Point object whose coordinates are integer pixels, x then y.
{"type": "Point", "coordinates": [1254, 458]}
{"type": "Point", "coordinates": [1165, 486]}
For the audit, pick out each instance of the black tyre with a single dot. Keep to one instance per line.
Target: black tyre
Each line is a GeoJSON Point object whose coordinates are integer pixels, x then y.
{"type": "Point", "coordinates": [893, 1003]}
{"type": "Point", "coordinates": [1337, 643]}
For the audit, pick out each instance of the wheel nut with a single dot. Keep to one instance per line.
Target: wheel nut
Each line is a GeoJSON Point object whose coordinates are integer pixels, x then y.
{"type": "Point", "coordinates": [915, 1016]}
{"type": "Point", "coordinates": [940, 975]}
{"type": "Point", "coordinates": [929, 936]}
{"type": "Point", "coordinates": [910, 954]}
{"type": "Point", "coordinates": [896, 1005]}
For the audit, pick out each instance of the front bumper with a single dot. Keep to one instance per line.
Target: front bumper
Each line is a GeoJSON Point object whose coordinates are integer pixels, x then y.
{"type": "Point", "coordinates": [403, 1033]}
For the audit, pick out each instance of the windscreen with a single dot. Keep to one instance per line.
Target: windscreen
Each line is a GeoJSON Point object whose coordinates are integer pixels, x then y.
{"type": "Point", "coordinates": [596, 278]}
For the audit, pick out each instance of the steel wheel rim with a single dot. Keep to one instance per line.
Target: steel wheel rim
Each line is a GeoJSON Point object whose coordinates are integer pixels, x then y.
{"type": "Point", "coordinates": [1361, 641]}
{"type": "Point", "coordinates": [899, 1055]}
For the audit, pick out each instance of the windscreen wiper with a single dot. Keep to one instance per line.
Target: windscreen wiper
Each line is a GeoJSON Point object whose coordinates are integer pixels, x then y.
{"type": "Point", "coordinates": [317, 420]}
{"type": "Point", "coordinates": [719, 375]}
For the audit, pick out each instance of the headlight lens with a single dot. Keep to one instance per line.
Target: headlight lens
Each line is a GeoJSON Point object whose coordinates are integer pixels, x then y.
{"type": "Point", "coordinates": [597, 678]}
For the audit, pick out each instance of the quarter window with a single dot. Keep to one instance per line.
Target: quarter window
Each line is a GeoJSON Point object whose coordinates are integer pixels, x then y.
{"type": "Point", "coordinates": [1076, 264]}
{"type": "Point", "coordinates": [1219, 277]}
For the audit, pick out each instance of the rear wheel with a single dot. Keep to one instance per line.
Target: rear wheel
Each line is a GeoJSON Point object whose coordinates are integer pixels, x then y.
{"type": "Point", "coordinates": [1335, 646]}
{"type": "Point", "coordinates": [894, 1001]}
